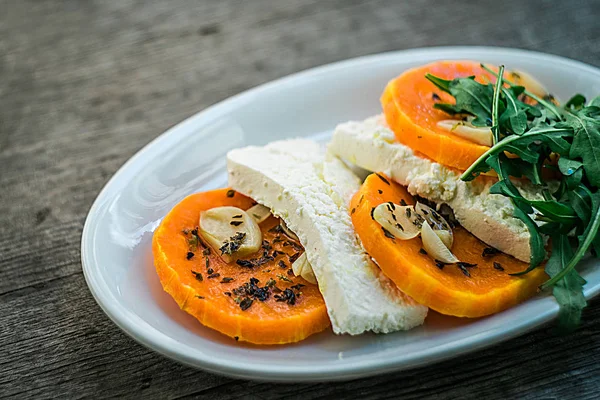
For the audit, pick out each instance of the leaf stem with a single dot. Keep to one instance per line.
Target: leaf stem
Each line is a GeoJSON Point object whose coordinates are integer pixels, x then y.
{"type": "Point", "coordinates": [581, 250]}
{"type": "Point", "coordinates": [498, 147]}
{"type": "Point", "coordinates": [495, 101]}
{"type": "Point", "coordinates": [549, 106]}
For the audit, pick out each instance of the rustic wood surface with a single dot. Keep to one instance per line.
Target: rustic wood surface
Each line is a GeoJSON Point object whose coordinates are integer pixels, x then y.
{"type": "Point", "coordinates": [85, 84]}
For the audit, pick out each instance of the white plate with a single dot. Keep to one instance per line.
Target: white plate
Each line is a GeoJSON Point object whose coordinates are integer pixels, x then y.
{"type": "Point", "coordinates": [116, 243]}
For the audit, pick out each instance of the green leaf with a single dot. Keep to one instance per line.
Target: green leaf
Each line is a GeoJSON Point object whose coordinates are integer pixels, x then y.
{"type": "Point", "coordinates": [569, 290]}
{"type": "Point", "coordinates": [595, 102]}
{"type": "Point", "coordinates": [536, 243]}
{"type": "Point", "coordinates": [472, 98]}
{"type": "Point", "coordinates": [518, 168]}
{"type": "Point", "coordinates": [568, 166]}
{"type": "Point", "coordinates": [514, 118]}
{"type": "Point", "coordinates": [496, 105]}
{"type": "Point", "coordinates": [556, 211]}
{"type": "Point", "coordinates": [586, 141]}
{"type": "Point", "coordinates": [582, 203]}
{"type": "Point", "coordinates": [575, 102]}
{"type": "Point", "coordinates": [572, 171]}
{"type": "Point", "coordinates": [525, 153]}
{"type": "Point", "coordinates": [442, 84]}
{"type": "Point", "coordinates": [521, 210]}
{"type": "Point", "coordinates": [588, 237]}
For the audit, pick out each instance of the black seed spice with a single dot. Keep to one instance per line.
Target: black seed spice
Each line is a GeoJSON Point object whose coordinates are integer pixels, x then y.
{"type": "Point", "coordinates": [489, 251]}
{"type": "Point", "coordinates": [246, 303]}
{"type": "Point", "coordinates": [383, 179]}
{"type": "Point", "coordinates": [498, 266]}
{"type": "Point", "coordinates": [387, 233]}
{"type": "Point", "coordinates": [198, 275]}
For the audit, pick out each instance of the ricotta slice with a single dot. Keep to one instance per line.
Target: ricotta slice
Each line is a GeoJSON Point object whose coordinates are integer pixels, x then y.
{"type": "Point", "coordinates": [371, 145]}
{"type": "Point", "coordinates": [311, 191]}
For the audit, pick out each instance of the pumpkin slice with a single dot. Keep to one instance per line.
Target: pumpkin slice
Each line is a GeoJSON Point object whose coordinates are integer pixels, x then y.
{"type": "Point", "coordinates": [408, 101]}
{"type": "Point", "coordinates": [487, 289]}
{"type": "Point", "coordinates": [207, 287]}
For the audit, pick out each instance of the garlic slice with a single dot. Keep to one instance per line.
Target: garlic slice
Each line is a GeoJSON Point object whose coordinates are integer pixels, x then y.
{"type": "Point", "coordinates": [230, 231]}
{"type": "Point", "coordinates": [302, 267]}
{"type": "Point", "coordinates": [434, 246]}
{"type": "Point", "coordinates": [440, 226]}
{"type": "Point", "coordinates": [523, 78]}
{"type": "Point", "coordinates": [288, 231]}
{"type": "Point", "coordinates": [446, 237]}
{"type": "Point", "coordinates": [400, 221]}
{"type": "Point", "coordinates": [259, 212]}
{"type": "Point", "coordinates": [476, 134]}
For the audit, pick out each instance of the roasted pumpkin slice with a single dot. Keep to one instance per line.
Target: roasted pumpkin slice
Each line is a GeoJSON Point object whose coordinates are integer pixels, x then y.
{"type": "Point", "coordinates": [408, 102]}
{"type": "Point", "coordinates": [480, 285]}
{"type": "Point", "coordinates": [257, 298]}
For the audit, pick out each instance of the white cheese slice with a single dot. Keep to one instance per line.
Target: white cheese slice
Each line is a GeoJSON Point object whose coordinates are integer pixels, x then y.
{"type": "Point", "coordinates": [370, 144]}
{"type": "Point", "coordinates": [311, 192]}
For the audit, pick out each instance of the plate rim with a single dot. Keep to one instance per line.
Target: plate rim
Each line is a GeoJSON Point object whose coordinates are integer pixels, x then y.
{"type": "Point", "coordinates": [298, 373]}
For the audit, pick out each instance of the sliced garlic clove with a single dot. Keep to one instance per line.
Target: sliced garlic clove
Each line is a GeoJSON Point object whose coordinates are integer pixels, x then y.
{"type": "Point", "coordinates": [230, 231]}
{"type": "Point", "coordinates": [523, 78]}
{"type": "Point", "coordinates": [302, 267]}
{"type": "Point", "coordinates": [446, 237]}
{"type": "Point", "coordinates": [400, 221]}
{"type": "Point", "coordinates": [434, 246]}
{"type": "Point", "coordinates": [476, 134]}
{"type": "Point", "coordinates": [440, 226]}
{"type": "Point", "coordinates": [288, 231]}
{"type": "Point", "coordinates": [433, 217]}
{"type": "Point", "coordinates": [259, 212]}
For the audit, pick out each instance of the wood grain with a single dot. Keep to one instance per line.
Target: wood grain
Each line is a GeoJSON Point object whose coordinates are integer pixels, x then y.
{"type": "Point", "coordinates": [85, 84]}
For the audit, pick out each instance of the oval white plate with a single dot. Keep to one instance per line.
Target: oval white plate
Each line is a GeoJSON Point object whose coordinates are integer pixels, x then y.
{"type": "Point", "coordinates": [116, 242]}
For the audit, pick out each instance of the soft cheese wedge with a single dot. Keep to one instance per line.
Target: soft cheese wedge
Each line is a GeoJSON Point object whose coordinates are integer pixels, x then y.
{"type": "Point", "coordinates": [311, 191]}
{"type": "Point", "coordinates": [371, 145]}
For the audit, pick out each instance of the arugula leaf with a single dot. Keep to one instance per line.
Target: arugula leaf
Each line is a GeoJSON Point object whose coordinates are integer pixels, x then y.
{"type": "Point", "coordinates": [544, 134]}
{"type": "Point", "coordinates": [572, 171]}
{"type": "Point", "coordinates": [549, 106]}
{"type": "Point", "coordinates": [568, 166]}
{"type": "Point", "coordinates": [522, 210]}
{"type": "Point", "coordinates": [569, 290]}
{"type": "Point", "coordinates": [556, 211]}
{"type": "Point", "coordinates": [576, 102]}
{"type": "Point", "coordinates": [536, 242]}
{"type": "Point", "coordinates": [471, 97]}
{"type": "Point", "coordinates": [586, 141]}
{"type": "Point", "coordinates": [496, 105]}
{"type": "Point", "coordinates": [514, 119]}
{"type": "Point", "coordinates": [588, 237]}
{"type": "Point", "coordinates": [580, 199]}
{"type": "Point", "coordinates": [535, 136]}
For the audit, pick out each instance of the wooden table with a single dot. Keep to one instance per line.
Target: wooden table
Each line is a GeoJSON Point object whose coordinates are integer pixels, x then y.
{"type": "Point", "coordinates": [86, 84]}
